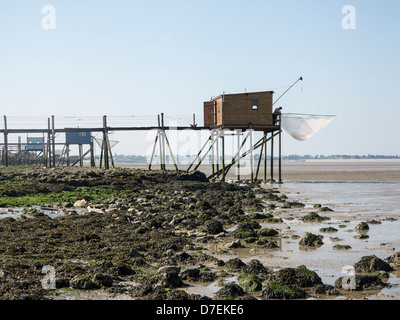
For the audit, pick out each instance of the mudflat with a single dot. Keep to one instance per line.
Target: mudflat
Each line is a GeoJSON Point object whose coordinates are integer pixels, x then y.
{"type": "Point", "coordinates": [342, 170]}
{"type": "Point", "coordinates": [86, 233]}
{"type": "Point", "coordinates": [363, 170]}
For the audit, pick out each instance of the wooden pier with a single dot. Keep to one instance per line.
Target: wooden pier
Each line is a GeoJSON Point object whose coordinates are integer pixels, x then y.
{"type": "Point", "coordinates": [215, 145]}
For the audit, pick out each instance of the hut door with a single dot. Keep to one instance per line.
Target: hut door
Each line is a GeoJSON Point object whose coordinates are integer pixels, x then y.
{"type": "Point", "coordinates": [209, 114]}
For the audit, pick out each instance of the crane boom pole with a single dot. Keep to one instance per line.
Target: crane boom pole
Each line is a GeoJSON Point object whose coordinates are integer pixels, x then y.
{"type": "Point", "coordinates": [299, 79]}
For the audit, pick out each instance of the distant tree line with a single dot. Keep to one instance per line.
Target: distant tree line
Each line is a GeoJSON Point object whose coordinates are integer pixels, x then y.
{"type": "Point", "coordinates": [339, 156]}
{"type": "Point", "coordinates": [140, 158]}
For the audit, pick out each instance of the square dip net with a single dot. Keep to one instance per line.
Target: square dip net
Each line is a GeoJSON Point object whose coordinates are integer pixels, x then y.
{"type": "Point", "coordinates": [303, 126]}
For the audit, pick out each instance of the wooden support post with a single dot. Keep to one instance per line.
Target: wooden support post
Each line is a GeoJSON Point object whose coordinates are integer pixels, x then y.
{"type": "Point", "coordinates": [92, 161]}
{"type": "Point", "coordinates": [265, 156]}
{"type": "Point", "coordinates": [272, 158]}
{"type": "Point", "coordinates": [67, 154]}
{"type": "Point", "coordinates": [101, 154]}
{"type": "Point", "coordinates": [48, 150]}
{"type": "Point", "coordinates": [170, 152]}
{"type": "Point", "coordinates": [163, 158]}
{"type": "Point", "coordinates": [80, 155]}
{"type": "Point", "coordinates": [53, 137]}
{"type": "Point", "coordinates": [5, 152]}
{"type": "Point", "coordinates": [238, 162]}
{"type": "Point", "coordinates": [217, 151]}
{"type": "Point", "coordinates": [212, 135]}
{"type": "Point", "coordinates": [259, 159]}
{"type": "Point", "coordinates": [251, 156]}
{"type": "Point", "coordinates": [280, 155]}
{"type": "Point", "coordinates": [44, 152]}
{"type": "Point", "coordinates": [223, 153]}
{"type": "Point", "coordinates": [160, 142]}
{"type": "Point", "coordinates": [110, 151]}
{"type": "Point", "coordinates": [61, 160]}
{"type": "Point", "coordinates": [105, 145]}
{"type": "Point", "coordinates": [19, 150]}
{"type": "Point", "coordinates": [154, 149]}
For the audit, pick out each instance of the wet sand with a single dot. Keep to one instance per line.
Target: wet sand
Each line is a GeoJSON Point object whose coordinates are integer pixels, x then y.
{"type": "Point", "coordinates": [309, 170]}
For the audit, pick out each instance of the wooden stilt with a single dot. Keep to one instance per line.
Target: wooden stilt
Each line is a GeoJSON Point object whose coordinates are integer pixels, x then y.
{"type": "Point", "coordinates": [251, 156]}
{"type": "Point", "coordinates": [67, 154]}
{"type": "Point", "coordinates": [92, 160]}
{"type": "Point", "coordinates": [280, 156]}
{"type": "Point", "coordinates": [238, 162]}
{"type": "Point", "coordinates": [110, 151]}
{"type": "Point", "coordinates": [259, 159]}
{"type": "Point", "coordinates": [223, 153]}
{"type": "Point", "coordinates": [5, 152]}
{"type": "Point", "coordinates": [53, 140]}
{"type": "Point", "coordinates": [48, 144]}
{"type": "Point", "coordinates": [160, 142]}
{"type": "Point", "coordinates": [272, 159]}
{"type": "Point", "coordinates": [105, 144]}
{"type": "Point", "coordinates": [163, 158]}
{"type": "Point", "coordinates": [212, 140]}
{"type": "Point", "coordinates": [170, 152]}
{"type": "Point", "coordinates": [154, 149]}
{"type": "Point", "coordinates": [80, 155]}
{"type": "Point", "coordinates": [101, 154]}
{"type": "Point", "coordinates": [19, 150]}
{"type": "Point", "coordinates": [265, 156]}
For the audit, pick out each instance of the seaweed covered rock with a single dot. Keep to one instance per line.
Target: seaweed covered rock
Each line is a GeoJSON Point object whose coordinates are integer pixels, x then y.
{"type": "Point", "coordinates": [82, 283]}
{"type": "Point", "coordinates": [246, 230]}
{"type": "Point", "coordinates": [255, 267]}
{"type": "Point", "coordinates": [229, 292]}
{"type": "Point", "coordinates": [362, 227]}
{"type": "Point", "coordinates": [235, 264]}
{"type": "Point", "coordinates": [371, 264]}
{"type": "Point", "coordinates": [214, 227]}
{"type": "Point", "coordinates": [300, 276]}
{"type": "Point", "coordinates": [279, 290]}
{"type": "Point", "coordinates": [267, 243]}
{"type": "Point", "coordinates": [394, 260]}
{"type": "Point", "coordinates": [328, 229]}
{"type": "Point", "coordinates": [267, 232]}
{"type": "Point", "coordinates": [197, 274]}
{"type": "Point", "coordinates": [250, 282]}
{"type": "Point", "coordinates": [102, 280]}
{"type": "Point", "coordinates": [169, 277]}
{"type": "Point", "coordinates": [306, 277]}
{"type": "Point", "coordinates": [360, 282]}
{"type": "Point", "coordinates": [324, 289]}
{"type": "Point", "coordinates": [311, 240]}
{"type": "Point", "coordinates": [314, 217]}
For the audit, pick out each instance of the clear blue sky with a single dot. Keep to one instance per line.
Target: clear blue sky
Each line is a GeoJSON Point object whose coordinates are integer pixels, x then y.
{"type": "Point", "coordinates": [122, 58]}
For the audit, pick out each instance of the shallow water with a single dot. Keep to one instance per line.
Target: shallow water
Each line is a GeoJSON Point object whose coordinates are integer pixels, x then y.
{"type": "Point", "coordinates": [352, 203]}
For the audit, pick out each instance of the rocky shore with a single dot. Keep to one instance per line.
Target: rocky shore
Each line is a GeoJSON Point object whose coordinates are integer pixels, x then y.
{"type": "Point", "coordinates": [80, 233]}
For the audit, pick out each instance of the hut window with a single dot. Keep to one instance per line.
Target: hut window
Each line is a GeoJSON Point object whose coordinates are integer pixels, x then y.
{"type": "Point", "coordinates": [254, 104]}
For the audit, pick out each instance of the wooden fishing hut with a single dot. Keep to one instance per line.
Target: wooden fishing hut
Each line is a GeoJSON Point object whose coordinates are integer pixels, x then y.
{"type": "Point", "coordinates": [242, 114]}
